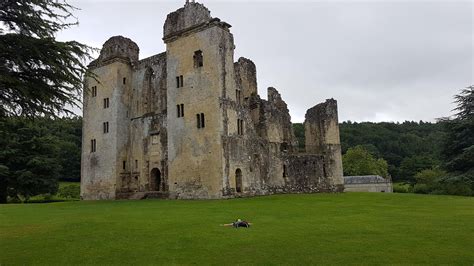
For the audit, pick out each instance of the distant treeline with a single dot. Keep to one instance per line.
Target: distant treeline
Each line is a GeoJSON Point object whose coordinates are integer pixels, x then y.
{"type": "Point", "coordinates": [408, 147]}
{"type": "Point", "coordinates": [36, 153]}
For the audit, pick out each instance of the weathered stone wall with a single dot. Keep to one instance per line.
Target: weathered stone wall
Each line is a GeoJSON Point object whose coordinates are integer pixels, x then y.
{"type": "Point", "coordinates": [245, 78]}
{"type": "Point", "coordinates": [378, 187]}
{"type": "Point", "coordinates": [191, 15]}
{"type": "Point", "coordinates": [195, 154]}
{"type": "Point", "coordinates": [246, 143]}
{"type": "Point", "coordinates": [322, 137]}
{"type": "Point", "coordinates": [99, 169]}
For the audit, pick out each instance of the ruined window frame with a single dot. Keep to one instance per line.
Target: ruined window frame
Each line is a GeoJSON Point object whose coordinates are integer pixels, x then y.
{"type": "Point", "coordinates": [124, 81]}
{"type": "Point", "coordinates": [198, 59]}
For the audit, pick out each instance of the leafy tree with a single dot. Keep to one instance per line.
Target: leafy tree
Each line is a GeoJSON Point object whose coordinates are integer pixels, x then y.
{"type": "Point", "coordinates": [359, 161]}
{"type": "Point", "coordinates": [429, 176]}
{"type": "Point", "coordinates": [38, 74]}
{"type": "Point", "coordinates": [410, 166]}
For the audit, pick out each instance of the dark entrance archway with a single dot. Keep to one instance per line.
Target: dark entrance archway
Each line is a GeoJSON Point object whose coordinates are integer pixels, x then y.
{"type": "Point", "coordinates": [155, 179]}
{"type": "Point", "coordinates": [238, 180]}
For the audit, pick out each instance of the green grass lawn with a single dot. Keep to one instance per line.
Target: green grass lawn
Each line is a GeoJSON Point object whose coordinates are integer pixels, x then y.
{"type": "Point", "coordinates": [350, 228]}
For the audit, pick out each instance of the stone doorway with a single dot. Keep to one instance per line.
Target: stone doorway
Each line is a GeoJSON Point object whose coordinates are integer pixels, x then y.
{"type": "Point", "coordinates": [155, 179]}
{"type": "Point", "coordinates": [238, 180]}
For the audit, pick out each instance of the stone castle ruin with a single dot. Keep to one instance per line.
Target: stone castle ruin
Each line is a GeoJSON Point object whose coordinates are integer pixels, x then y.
{"type": "Point", "coordinates": [188, 123]}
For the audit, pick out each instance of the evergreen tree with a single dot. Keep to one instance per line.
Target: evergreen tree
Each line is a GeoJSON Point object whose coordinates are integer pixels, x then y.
{"type": "Point", "coordinates": [38, 74]}
{"type": "Point", "coordinates": [458, 152]}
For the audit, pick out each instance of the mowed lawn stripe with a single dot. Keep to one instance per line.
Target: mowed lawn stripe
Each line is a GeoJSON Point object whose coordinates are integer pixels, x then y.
{"type": "Point", "coordinates": [349, 228]}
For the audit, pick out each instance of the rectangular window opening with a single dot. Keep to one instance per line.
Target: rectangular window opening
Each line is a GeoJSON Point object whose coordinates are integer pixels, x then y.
{"type": "Point", "coordinates": [182, 110]}
{"type": "Point", "coordinates": [124, 80]}
{"type": "Point", "coordinates": [94, 91]}
{"type": "Point", "coordinates": [198, 59]}
{"type": "Point", "coordinates": [124, 165]}
{"type": "Point", "coordinates": [106, 103]}
{"type": "Point", "coordinates": [181, 81]}
{"type": "Point", "coordinates": [93, 145]}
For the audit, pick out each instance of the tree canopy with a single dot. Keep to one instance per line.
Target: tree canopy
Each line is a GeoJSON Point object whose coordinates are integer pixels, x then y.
{"type": "Point", "coordinates": [359, 161]}
{"type": "Point", "coordinates": [36, 153]}
{"type": "Point", "coordinates": [39, 75]}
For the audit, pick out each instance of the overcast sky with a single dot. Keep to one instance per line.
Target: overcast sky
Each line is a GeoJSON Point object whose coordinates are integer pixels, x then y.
{"type": "Point", "coordinates": [382, 60]}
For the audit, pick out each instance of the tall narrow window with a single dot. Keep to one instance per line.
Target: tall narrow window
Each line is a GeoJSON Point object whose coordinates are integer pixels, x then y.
{"type": "Point", "coordinates": [179, 81]}
{"type": "Point", "coordinates": [237, 96]}
{"type": "Point", "coordinates": [93, 145]}
{"type": "Point", "coordinates": [124, 165]}
{"type": "Point", "coordinates": [106, 127]}
{"type": "Point", "coordinates": [240, 126]}
{"type": "Point", "coordinates": [285, 173]}
{"type": "Point", "coordinates": [106, 103]}
{"type": "Point", "coordinates": [136, 164]}
{"type": "Point", "coordinates": [94, 91]}
{"type": "Point", "coordinates": [202, 120]}
{"type": "Point", "coordinates": [124, 80]}
{"type": "Point", "coordinates": [180, 110]}
{"type": "Point", "coordinates": [198, 60]}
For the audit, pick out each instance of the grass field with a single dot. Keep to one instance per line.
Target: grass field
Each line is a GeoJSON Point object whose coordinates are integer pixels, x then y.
{"type": "Point", "coordinates": [350, 228]}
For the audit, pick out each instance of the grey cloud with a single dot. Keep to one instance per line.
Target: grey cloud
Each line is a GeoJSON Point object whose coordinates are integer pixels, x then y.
{"type": "Point", "coordinates": [397, 60]}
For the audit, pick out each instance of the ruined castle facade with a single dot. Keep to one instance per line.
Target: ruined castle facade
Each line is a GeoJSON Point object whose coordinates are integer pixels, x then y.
{"type": "Point", "coordinates": [189, 123]}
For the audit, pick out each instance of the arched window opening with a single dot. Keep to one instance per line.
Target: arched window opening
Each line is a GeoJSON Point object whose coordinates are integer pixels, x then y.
{"type": "Point", "coordinates": [155, 179]}
{"type": "Point", "coordinates": [238, 180]}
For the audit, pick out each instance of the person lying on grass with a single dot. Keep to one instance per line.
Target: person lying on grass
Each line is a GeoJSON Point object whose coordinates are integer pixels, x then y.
{"type": "Point", "coordinates": [238, 223]}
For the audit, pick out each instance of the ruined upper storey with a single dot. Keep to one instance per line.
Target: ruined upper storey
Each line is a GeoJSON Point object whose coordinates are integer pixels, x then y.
{"type": "Point", "coordinates": [117, 47]}
{"type": "Point", "coordinates": [191, 16]}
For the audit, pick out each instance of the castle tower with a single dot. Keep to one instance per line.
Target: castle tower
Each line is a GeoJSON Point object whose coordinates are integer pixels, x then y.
{"type": "Point", "coordinates": [200, 78]}
{"type": "Point", "coordinates": [104, 133]}
{"type": "Point", "coordinates": [322, 137]}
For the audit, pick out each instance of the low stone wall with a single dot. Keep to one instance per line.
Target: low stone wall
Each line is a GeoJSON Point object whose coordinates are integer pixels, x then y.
{"type": "Point", "coordinates": [375, 187]}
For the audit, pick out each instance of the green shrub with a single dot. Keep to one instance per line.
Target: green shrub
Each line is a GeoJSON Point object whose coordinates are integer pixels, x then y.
{"type": "Point", "coordinates": [421, 189]}
{"type": "Point", "coordinates": [401, 188]}
{"type": "Point", "coordinates": [71, 191]}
